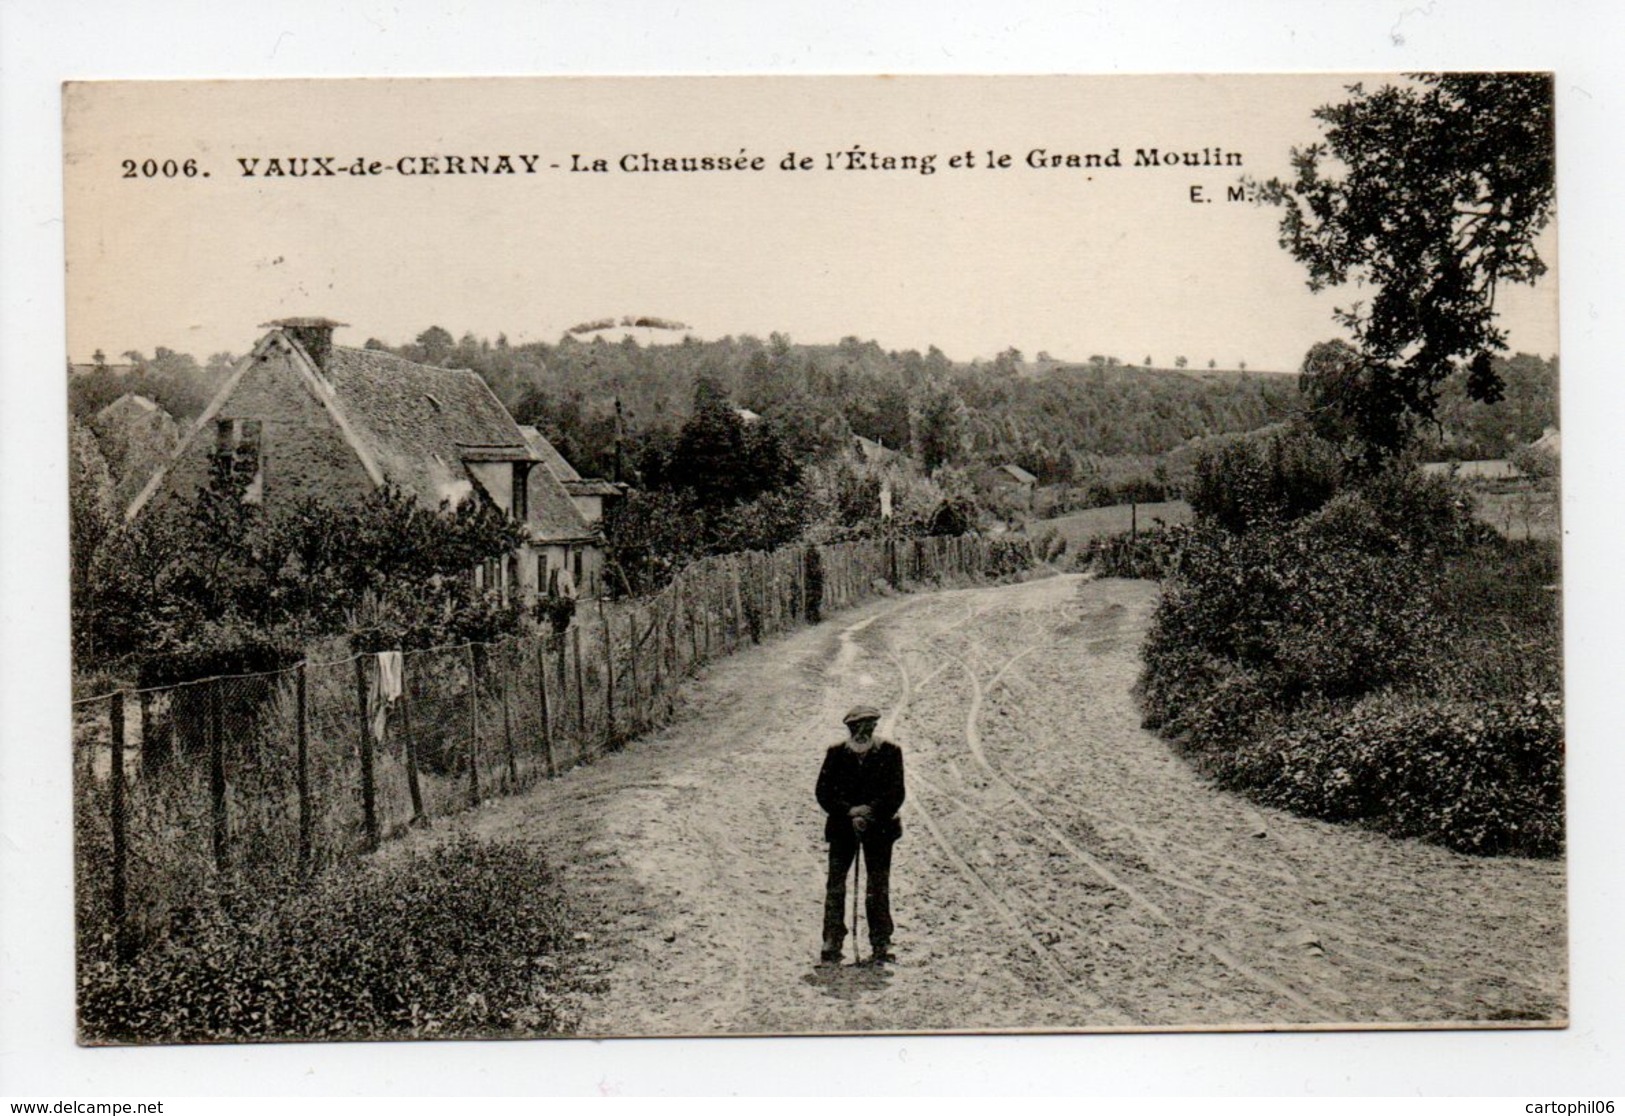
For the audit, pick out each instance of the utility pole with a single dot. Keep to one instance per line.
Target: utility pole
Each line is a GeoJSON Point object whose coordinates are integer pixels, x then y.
{"type": "Point", "coordinates": [618, 418]}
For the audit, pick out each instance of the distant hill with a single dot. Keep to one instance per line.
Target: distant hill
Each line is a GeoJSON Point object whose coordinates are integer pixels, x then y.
{"type": "Point", "coordinates": [1050, 417]}
{"type": "Point", "coordinates": [1057, 419]}
{"type": "Point", "coordinates": [1471, 431]}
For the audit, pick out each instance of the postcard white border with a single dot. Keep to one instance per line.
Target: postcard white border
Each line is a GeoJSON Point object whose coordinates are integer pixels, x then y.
{"type": "Point", "coordinates": [45, 43]}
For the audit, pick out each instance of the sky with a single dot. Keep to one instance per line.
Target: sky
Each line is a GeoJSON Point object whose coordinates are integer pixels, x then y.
{"type": "Point", "coordinates": [1117, 261]}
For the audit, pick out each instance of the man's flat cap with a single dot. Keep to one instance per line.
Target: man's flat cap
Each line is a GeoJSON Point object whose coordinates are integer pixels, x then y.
{"type": "Point", "coordinates": [861, 713]}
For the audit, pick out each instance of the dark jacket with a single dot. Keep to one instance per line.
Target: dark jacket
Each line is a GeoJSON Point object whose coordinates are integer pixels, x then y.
{"type": "Point", "coordinates": [874, 779]}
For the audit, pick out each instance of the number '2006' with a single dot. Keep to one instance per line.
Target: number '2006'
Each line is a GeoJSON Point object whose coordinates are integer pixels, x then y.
{"type": "Point", "coordinates": [152, 168]}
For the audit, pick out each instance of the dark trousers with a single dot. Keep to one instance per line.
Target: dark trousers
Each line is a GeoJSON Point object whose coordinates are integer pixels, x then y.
{"type": "Point", "coordinates": [876, 889]}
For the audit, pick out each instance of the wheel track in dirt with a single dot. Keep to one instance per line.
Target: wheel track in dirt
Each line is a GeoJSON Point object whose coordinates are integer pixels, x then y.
{"type": "Point", "coordinates": [1069, 982]}
{"type": "Point", "coordinates": [1164, 872]}
{"type": "Point", "coordinates": [1003, 925]}
{"type": "Point", "coordinates": [1153, 849]}
{"type": "Point", "coordinates": [973, 740]}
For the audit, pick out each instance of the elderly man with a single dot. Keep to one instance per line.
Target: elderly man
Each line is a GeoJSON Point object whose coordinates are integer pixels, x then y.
{"type": "Point", "coordinates": [860, 787]}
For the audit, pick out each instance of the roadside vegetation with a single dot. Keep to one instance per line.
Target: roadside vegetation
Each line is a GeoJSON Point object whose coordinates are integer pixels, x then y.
{"type": "Point", "coordinates": [1361, 650]}
{"type": "Point", "coordinates": [468, 940]}
{"type": "Point", "coordinates": [1339, 634]}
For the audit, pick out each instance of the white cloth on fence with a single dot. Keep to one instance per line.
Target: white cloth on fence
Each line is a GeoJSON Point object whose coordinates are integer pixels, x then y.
{"type": "Point", "coordinates": [386, 687]}
{"type": "Point", "coordinates": [389, 674]}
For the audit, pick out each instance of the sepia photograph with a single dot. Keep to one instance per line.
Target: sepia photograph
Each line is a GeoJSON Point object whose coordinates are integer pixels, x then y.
{"type": "Point", "coordinates": [678, 556]}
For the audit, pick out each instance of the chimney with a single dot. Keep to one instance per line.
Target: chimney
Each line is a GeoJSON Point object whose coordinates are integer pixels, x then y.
{"type": "Point", "coordinates": [314, 335]}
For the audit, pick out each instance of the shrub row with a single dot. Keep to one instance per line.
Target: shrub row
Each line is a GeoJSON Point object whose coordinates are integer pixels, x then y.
{"type": "Point", "coordinates": [1483, 778]}
{"type": "Point", "coordinates": [1151, 553]}
{"type": "Point", "coordinates": [466, 939]}
{"type": "Point", "coordinates": [1377, 657]}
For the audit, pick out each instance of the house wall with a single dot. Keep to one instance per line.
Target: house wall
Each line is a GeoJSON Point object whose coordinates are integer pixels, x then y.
{"type": "Point", "coordinates": [592, 566]}
{"type": "Point", "coordinates": [590, 507]}
{"type": "Point", "coordinates": [304, 452]}
{"type": "Point", "coordinates": [496, 477]}
{"type": "Point", "coordinates": [563, 556]}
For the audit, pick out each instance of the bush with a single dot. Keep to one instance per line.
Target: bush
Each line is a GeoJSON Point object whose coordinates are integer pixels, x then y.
{"type": "Point", "coordinates": [1477, 778]}
{"type": "Point", "coordinates": [1152, 553]}
{"type": "Point", "coordinates": [1049, 545]}
{"type": "Point", "coordinates": [466, 940]}
{"type": "Point", "coordinates": [1248, 482]}
{"type": "Point", "coordinates": [1007, 557]}
{"type": "Point", "coordinates": [1379, 659]}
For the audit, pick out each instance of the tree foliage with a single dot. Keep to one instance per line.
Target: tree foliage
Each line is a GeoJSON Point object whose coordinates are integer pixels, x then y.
{"type": "Point", "coordinates": [172, 380]}
{"type": "Point", "coordinates": [1430, 194]}
{"type": "Point", "coordinates": [217, 583]}
{"type": "Point", "coordinates": [92, 507]}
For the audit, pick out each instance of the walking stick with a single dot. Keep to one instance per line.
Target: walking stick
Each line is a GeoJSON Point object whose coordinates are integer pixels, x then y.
{"type": "Point", "coordinates": [857, 889]}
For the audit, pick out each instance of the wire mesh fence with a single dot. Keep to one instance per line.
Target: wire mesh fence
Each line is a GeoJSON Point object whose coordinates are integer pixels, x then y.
{"type": "Point", "coordinates": [190, 793]}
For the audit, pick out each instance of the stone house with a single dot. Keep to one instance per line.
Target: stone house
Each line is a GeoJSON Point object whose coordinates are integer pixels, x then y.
{"type": "Point", "coordinates": [136, 436]}
{"type": "Point", "coordinates": [311, 418]}
{"type": "Point", "coordinates": [1010, 483]}
{"type": "Point", "coordinates": [590, 495]}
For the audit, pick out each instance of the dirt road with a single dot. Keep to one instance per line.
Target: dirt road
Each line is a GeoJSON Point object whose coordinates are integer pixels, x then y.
{"type": "Point", "coordinates": [1060, 868]}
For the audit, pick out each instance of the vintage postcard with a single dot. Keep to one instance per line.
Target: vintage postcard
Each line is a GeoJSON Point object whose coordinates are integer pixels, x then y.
{"type": "Point", "coordinates": [715, 556]}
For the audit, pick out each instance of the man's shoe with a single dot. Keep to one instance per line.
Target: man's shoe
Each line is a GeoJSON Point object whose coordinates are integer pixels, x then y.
{"type": "Point", "coordinates": [830, 955]}
{"type": "Point", "coordinates": [882, 955]}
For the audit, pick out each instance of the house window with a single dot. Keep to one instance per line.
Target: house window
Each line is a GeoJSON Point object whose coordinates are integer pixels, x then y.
{"type": "Point", "coordinates": [239, 448]}
{"type": "Point", "coordinates": [521, 493]}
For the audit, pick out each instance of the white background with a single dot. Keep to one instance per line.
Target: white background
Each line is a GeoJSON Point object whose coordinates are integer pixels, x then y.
{"type": "Point", "coordinates": [44, 43]}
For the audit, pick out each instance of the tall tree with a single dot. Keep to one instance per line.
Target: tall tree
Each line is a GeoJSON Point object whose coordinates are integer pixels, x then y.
{"type": "Point", "coordinates": [940, 423]}
{"type": "Point", "coordinates": [1430, 194]}
{"type": "Point", "coordinates": [710, 457]}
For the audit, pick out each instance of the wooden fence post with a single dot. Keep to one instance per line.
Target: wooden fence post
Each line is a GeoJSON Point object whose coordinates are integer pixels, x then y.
{"type": "Point", "coordinates": [120, 808]}
{"type": "Point", "coordinates": [409, 745]}
{"type": "Point", "coordinates": [220, 827]}
{"type": "Point", "coordinates": [473, 725]}
{"type": "Point", "coordinates": [507, 725]}
{"type": "Point", "coordinates": [740, 619]}
{"type": "Point", "coordinates": [547, 719]}
{"type": "Point", "coordinates": [686, 601]}
{"type": "Point", "coordinates": [674, 617]}
{"type": "Point", "coordinates": [609, 679]}
{"type": "Point", "coordinates": [302, 772]}
{"type": "Point", "coordinates": [581, 692]}
{"type": "Point", "coordinates": [658, 689]}
{"type": "Point", "coordinates": [369, 790]}
{"type": "Point", "coordinates": [152, 755]}
{"type": "Point", "coordinates": [705, 606]}
{"type": "Point", "coordinates": [634, 648]}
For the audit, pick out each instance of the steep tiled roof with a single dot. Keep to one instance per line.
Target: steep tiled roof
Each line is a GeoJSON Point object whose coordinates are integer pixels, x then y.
{"type": "Point", "coordinates": [414, 420]}
{"type": "Point", "coordinates": [418, 427]}
{"type": "Point", "coordinates": [592, 487]}
{"type": "Point", "coordinates": [129, 401]}
{"type": "Point", "coordinates": [421, 423]}
{"type": "Point", "coordinates": [872, 452]}
{"type": "Point", "coordinates": [554, 517]}
{"type": "Point", "coordinates": [551, 457]}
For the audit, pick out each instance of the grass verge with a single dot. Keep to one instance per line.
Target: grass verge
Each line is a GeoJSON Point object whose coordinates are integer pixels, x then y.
{"type": "Point", "coordinates": [469, 939]}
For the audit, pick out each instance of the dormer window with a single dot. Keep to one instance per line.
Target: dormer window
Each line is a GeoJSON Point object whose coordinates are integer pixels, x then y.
{"type": "Point", "coordinates": [521, 491]}
{"type": "Point", "coordinates": [239, 446]}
